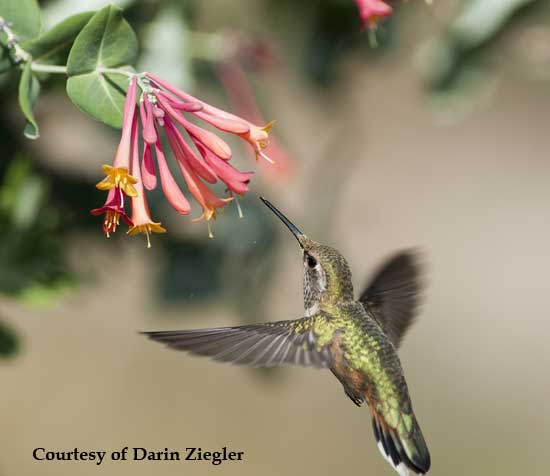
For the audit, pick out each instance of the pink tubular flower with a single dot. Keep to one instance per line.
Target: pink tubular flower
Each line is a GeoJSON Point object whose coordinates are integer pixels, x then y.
{"type": "Point", "coordinates": [235, 180]}
{"type": "Point", "coordinates": [170, 188]}
{"type": "Point", "coordinates": [149, 137]}
{"type": "Point", "coordinates": [112, 211]}
{"type": "Point", "coordinates": [257, 136]}
{"type": "Point", "coordinates": [191, 174]}
{"type": "Point", "coordinates": [372, 11]}
{"type": "Point", "coordinates": [141, 217]}
{"type": "Point", "coordinates": [118, 181]}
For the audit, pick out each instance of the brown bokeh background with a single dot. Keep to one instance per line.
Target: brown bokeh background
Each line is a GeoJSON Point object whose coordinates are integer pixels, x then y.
{"type": "Point", "coordinates": [380, 166]}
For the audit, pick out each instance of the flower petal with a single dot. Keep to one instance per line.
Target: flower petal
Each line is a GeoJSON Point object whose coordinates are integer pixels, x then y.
{"type": "Point", "coordinates": [235, 180]}
{"type": "Point", "coordinates": [113, 209]}
{"type": "Point", "coordinates": [179, 105]}
{"type": "Point", "coordinates": [209, 139]}
{"type": "Point", "coordinates": [147, 120]}
{"type": "Point", "coordinates": [148, 174]}
{"type": "Point", "coordinates": [180, 146]}
{"type": "Point", "coordinates": [122, 157]}
{"type": "Point", "coordinates": [208, 200]}
{"type": "Point", "coordinates": [232, 126]}
{"type": "Point", "coordinates": [170, 188]}
{"type": "Point", "coordinates": [372, 11]}
{"type": "Point", "coordinates": [140, 209]}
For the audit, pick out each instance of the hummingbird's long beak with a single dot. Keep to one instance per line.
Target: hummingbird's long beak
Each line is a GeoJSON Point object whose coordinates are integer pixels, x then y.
{"type": "Point", "coordinates": [297, 233]}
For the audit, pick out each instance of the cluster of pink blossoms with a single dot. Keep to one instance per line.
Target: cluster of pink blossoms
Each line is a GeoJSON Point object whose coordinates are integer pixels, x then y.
{"type": "Point", "coordinates": [163, 107]}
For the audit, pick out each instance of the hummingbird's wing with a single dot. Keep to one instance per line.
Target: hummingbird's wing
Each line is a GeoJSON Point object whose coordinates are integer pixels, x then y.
{"type": "Point", "coordinates": [393, 295]}
{"type": "Point", "coordinates": [272, 344]}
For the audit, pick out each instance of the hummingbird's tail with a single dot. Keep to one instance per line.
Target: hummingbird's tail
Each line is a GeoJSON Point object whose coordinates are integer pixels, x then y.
{"type": "Point", "coordinates": [406, 451]}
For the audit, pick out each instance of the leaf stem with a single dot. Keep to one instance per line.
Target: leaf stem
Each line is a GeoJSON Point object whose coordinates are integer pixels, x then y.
{"type": "Point", "coordinates": [57, 69]}
{"type": "Point", "coordinates": [130, 74]}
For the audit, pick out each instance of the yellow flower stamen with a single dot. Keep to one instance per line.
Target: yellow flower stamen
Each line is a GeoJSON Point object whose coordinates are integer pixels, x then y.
{"type": "Point", "coordinates": [110, 222]}
{"type": "Point", "coordinates": [118, 177]}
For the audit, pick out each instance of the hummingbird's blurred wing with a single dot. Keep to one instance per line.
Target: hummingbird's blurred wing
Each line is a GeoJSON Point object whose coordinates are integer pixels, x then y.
{"type": "Point", "coordinates": [393, 295]}
{"type": "Point", "coordinates": [260, 345]}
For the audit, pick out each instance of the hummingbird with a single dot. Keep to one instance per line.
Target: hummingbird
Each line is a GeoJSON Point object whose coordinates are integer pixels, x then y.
{"type": "Point", "coordinates": [357, 340]}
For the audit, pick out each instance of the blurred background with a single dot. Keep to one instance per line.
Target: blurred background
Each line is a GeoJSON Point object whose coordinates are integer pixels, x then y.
{"type": "Point", "coordinates": [437, 139]}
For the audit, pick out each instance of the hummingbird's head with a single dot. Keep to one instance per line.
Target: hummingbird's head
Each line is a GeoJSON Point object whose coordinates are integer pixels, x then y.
{"type": "Point", "coordinates": [327, 276]}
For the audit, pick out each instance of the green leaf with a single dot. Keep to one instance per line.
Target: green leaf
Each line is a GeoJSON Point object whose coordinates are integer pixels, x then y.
{"type": "Point", "coordinates": [9, 343]}
{"type": "Point", "coordinates": [29, 89]}
{"type": "Point", "coordinates": [54, 45]}
{"type": "Point", "coordinates": [107, 41]}
{"type": "Point", "coordinates": [26, 22]}
{"type": "Point", "coordinates": [5, 62]}
{"type": "Point", "coordinates": [24, 15]}
{"type": "Point", "coordinates": [482, 19]}
{"type": "Point", "coordinates": [47, 294]}
{"type": "Point", "coordinates": [32, 249]}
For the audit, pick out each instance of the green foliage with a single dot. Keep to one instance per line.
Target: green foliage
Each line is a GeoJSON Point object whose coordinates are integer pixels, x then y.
{"type": "Point", "coordinates": [29, 89]}
{"type": "Point", "coordinates": [5, 63]}
{"type": "Point", "coordinates": [455, 56]}
{"type": "Point", "coordinates": [53, 46]}
{"type": "Point", "coordinates": [30, 253]}
{"type": "Point", "coordinates": [107, 41]}
{"type": "Point", "coordinates": [24, 15]}
{"type": "Point", "coordinates": [26, 22]}
{"type": "Point", "coordinates": [482, 19]}
{"type": "Point", "coordinates": [9, 343]}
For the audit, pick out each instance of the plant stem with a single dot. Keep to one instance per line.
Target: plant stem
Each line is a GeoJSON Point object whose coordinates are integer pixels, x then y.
{"type": "Point", "coordinates": [48, 68]}
{"type": "Point", "coordinates": [12, 42]}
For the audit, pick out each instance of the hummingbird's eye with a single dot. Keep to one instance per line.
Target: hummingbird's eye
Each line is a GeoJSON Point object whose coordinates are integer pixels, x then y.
{"type": "Point", "coordinates": [311, 261]}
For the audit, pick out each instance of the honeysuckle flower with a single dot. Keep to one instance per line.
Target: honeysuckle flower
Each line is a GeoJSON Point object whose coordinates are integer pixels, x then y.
{"type": "Point", "coordinates": [117, 177]}
{"type": "Point", "coordinates": [113, 210]}
{"type": "Point", "coordinates": [184, 153]}
{"type": "Point", "coordinates": [118, 181]}
{"type": "Point", "coordinates": [149, 137]}
{"type": "Point", "coordinates": [141, 216]}
{"type": "Point", "coordinates": [202, 156]}
{"type": "Point", "coordinates": [372, 11]}
{"type": "Point", "coordinates": [235, 180]}
{"type": "Point", "coordinates": [257, 136]}
{"type": "Point", "coordinates": [209, 201]}
{"type": "Point", "coordinates": [171, 190]}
